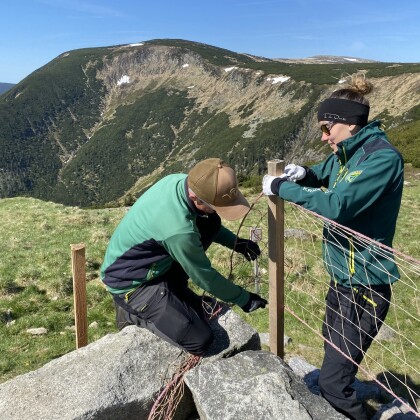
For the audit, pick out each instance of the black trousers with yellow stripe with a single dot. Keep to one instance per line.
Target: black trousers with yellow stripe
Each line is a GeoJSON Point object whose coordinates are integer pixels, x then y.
{"type": "Point", "coordinates": [353, 318]}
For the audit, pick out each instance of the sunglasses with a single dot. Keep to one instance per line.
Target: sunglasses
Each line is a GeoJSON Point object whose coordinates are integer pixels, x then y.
{"type": "Point", "coordinates": [326, 128]}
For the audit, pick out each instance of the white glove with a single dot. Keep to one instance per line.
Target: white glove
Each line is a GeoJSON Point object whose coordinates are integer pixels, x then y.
{"type": "Point", "coordinates": [294, 172]}
{"type": "Point", "coordinates": [266, 183]}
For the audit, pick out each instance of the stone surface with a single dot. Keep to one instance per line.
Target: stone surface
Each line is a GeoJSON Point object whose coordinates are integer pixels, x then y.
{"type": "Point", "coordinates": [386, 334]}
{"type": "Point", "coordinates": [307, 372]}
{"type": "Point", "coordinates": [395, 410]}
{"type": "Point", "coordinates": [254, 385]}
{"type": "Point", "coordinates": [116, 377]}
{"type": "Point", "coordinates": [231, 335]}
{"type": "Point", "coordinates": [120, 373]}
{"type": "Point", "coordinates": [37, 331]}
{"type": "Point", "coordinates": [265, 339]}
{"type": "Point", "coordinates": [297, 234]}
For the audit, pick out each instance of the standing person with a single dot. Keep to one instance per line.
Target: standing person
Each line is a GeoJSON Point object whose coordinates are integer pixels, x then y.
{"type": "Point", "coordinates": [161, 242]}
{"type": "Point", "coordinates": [359, 186]}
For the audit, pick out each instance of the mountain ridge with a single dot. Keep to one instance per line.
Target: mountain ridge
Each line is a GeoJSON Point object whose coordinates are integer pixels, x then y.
{"type": "Point", "coordinates": [327, 59]}
{"type": "Point", "coordinates": [4, 87]}
{"type": "Point", "coordinates": [95, 125]}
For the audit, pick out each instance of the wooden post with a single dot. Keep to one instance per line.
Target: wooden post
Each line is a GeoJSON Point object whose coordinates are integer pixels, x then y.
{"type": "Point", "coordinates": [276, 264]}
{"type": "Point", "coordinates": [78, 263]}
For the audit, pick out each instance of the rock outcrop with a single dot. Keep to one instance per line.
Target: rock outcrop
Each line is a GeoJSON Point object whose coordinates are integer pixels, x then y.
{"type": "Point", "coordinates": [117, 377]}
{"type": "Point", "coordinates": [122, 375]}
{"type": "Point", "coordinates": [254, 385]}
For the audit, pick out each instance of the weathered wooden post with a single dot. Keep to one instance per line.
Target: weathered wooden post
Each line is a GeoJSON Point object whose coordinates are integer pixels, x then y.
{"type": "Point", "coordinates": [78, 263]}
{"type": "Point", "coordinates": [276, 264]}
{"type": "Point", "coordinates": [255, 234]}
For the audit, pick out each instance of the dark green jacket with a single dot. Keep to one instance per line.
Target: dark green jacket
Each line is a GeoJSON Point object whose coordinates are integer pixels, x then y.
{"type": "Point", "coordinates": [159, 229]}
{"type": "Point", "coordinates": [359, 187]}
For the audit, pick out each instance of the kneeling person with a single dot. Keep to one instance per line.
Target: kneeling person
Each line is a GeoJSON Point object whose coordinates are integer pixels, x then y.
{"type": "Point", "coordinates": [161, 242]}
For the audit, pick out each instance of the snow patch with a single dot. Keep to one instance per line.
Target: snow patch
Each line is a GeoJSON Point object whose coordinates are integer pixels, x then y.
{"type": "Point", "coordinates": [350, 59]}
{"type": "Point", "coordinates": [124, 79]}
{"type": "Point", "coordinates": [190, 87]}
{"type": "Point", "coordinates": [280, 79]}
{"type": "Point", "coordinates": [227, 69]}
{"type": "Point", "coordinates": [185, 66]}
{"type": "Point", "coordinates": [139, 44]}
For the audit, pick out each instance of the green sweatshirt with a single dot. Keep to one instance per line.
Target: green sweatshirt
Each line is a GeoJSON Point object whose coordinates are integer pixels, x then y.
{"type": "Point", "coordinates": [360, 187]}
{"type": "Point", "coordinates": [159, 229]}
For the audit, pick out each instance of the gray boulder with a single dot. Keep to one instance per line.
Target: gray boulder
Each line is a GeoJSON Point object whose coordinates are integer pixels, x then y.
{"type": "Point", "coordinates": [297, 234]}
{"type": "Point", "coordinates": [307, 372]}
{"type": "Point", "coordinates": [265, 339]}
{"type": "Point", "coordinates": [395, 410]}
{"type": "Point", "coordinates": [231, 336]}
{"type": "Point", "coordinates": [386, 334]}
{"type": "Point", "coordinates": [117, 377]}
{"type": "Point", "coordinates": [254, 385]}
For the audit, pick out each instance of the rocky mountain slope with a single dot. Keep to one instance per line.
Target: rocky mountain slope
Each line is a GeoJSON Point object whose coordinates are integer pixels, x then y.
{"type": "Point", "coordinates": [95, 125]}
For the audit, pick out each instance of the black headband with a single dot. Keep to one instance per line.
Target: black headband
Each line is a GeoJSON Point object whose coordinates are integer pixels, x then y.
{"type": "Point", "coordinates": [343, 110]}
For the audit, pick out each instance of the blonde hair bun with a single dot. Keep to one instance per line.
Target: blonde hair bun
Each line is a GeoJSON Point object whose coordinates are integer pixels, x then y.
{"type": "Point", "coordinates": [358, 83]}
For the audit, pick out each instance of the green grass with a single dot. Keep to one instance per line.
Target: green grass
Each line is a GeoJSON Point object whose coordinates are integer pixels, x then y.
{"type": "Point", "coordinates": [36, 283]}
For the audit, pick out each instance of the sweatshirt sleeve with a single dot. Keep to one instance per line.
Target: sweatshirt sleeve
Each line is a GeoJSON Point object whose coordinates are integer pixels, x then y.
{"type": "Point", "coordinates": [352, 195]}
{"type": "Point", "coordinates": [188, 251]}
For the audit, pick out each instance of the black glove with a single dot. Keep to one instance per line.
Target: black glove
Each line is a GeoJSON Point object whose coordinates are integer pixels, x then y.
{"type": "Point", "coordinates": [254, 302]}
{"type": "Point", "coordinates": [249, 249]}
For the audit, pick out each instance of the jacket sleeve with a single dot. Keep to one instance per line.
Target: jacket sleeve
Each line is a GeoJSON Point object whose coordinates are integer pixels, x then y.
{"type": "Point", "coordinates": [318, 175]}
{"type": "Point", "coordinates": [188, 251]}
{"type": "Point", "coordinates": [226, 238]}
{"type": "Point", "coordinates": [359, 189]}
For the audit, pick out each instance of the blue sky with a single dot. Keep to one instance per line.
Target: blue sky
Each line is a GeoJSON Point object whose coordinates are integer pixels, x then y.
{"type": "Point", "coordinates": [33, 32]}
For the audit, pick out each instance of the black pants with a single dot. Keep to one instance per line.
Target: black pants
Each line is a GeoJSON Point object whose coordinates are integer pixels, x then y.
{"type": "Point", "coordinates": [167, 307]}
{"type": "Point", "coordinates": [353, 318]}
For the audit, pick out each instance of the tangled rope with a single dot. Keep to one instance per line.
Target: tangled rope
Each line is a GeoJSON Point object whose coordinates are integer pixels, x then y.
{"type": "Point", "coordinates": [167, 401]}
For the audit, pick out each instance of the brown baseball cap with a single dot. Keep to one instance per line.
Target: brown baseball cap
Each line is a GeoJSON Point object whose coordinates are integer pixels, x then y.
{"type": "Point", "coordinates": [214, 182]}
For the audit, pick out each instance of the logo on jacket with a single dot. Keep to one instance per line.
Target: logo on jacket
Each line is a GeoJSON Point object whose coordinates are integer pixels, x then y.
{"type": "Point", "coordinates": [352, 176]}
